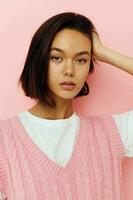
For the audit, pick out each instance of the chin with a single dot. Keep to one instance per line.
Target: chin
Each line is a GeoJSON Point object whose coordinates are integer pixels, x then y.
{"type": "Point", "coordinates": [67, 96]}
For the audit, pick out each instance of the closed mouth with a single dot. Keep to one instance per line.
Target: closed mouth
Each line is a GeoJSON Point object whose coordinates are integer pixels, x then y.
{"type": "Point", "coordinates": [67, 83]}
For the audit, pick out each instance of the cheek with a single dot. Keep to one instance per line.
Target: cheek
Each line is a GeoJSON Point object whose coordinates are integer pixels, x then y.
{"type": "Point", "coordinates": [53, 77]}
{"type": "Point", "coordinates": [53, 69]}
{"type": "Point", "coordinates": [83, 74]}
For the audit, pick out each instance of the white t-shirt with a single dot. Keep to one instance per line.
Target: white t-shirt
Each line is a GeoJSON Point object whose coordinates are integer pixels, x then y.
{"type": "Point", "coordinates": [56, 137]}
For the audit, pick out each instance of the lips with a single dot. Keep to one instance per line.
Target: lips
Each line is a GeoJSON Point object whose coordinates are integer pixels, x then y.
{"type": "Point", "coordinates": [67, 83]}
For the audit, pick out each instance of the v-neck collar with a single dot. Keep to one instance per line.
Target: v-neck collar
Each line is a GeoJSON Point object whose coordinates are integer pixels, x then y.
{"type": "Point", "coordinates": [48, 165]}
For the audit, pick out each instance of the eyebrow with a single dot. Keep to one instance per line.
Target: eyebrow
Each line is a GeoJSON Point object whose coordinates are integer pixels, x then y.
{"type": "Point", "coordinates": [60, 50]}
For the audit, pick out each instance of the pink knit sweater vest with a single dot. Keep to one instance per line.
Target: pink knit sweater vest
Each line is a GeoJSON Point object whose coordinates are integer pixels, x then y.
{"type": "Point", "coordinates": [92, 173]}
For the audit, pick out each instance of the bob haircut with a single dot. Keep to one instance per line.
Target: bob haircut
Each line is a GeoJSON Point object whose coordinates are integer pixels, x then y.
{"type": "Point", "coordinates": [33, 78]}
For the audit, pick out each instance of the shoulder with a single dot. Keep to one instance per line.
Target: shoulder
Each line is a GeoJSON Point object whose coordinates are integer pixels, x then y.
{"type": "Point", "coordinates": [3, 158]}
{"type": "Point", "coordinates": [101, 121]}
{"type": "Point", "coordinates": [98, 117]}
{"type": "Point", "coordinates": [5, 125]}
{"type": "Point", "coordinates": [124, 117]}
{"type": "Point", "coordinates": [104, 125]}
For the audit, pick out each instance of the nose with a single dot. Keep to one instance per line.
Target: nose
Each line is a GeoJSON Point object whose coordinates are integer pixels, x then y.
{"type": "Point", "coordinates": [69, 69]}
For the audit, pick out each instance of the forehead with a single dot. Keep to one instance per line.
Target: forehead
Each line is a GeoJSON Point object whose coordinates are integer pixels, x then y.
{"type": "Point", "coordinates": [71, 40]}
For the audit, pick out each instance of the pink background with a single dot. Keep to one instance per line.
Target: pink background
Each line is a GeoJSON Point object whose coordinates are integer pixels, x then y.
{"type": "Point", "coordinates": [111, 90]}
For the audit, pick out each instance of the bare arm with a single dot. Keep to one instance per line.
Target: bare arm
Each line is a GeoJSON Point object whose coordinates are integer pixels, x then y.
{"type": "Point", "coordinates": [107, 55]}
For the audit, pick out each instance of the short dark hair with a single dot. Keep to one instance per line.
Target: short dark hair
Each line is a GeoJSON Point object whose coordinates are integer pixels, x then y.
{"type": "Point", "coordinates": [33, 78]}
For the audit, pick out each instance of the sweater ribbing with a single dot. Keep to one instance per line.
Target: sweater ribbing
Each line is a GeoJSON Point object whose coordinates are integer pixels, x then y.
{"type": "Point", "coordinates": [93, 171]}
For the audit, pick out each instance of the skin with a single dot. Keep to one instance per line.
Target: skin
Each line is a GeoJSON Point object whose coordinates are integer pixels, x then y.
{"type": "Point", "coordinates": [107, 55]}
{"type": "Point", "coordinates": [67, 66]}
{"type": "Point", "coordinates": [72, 42]}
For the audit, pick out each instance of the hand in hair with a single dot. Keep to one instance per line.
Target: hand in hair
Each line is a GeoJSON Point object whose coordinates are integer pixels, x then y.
{"type": "Point", "coordinates": [97, 45]}
{"type": "Point", "coordinates": [107, 55]}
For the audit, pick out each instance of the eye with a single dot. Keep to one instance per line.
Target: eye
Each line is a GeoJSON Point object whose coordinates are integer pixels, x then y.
{"type": "Point", "coordinates": [56, 58]}
{"type": "Point", "coordinates": [82, 60]}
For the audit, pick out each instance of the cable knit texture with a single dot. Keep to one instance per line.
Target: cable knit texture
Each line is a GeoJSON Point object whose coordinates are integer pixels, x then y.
{"type": "Point", "coordinates": [92, 173]}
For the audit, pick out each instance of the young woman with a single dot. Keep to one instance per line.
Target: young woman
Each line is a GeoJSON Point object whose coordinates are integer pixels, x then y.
{"type": "Point", "coordinates": [50, 151]}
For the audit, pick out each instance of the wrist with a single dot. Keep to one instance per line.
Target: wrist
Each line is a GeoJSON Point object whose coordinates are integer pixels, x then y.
{"type": "Point", "coordinates": [101, 53]}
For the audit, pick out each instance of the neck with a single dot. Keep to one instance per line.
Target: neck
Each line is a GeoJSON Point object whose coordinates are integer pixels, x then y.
{"type": "Point", "coordinates": [61, 111]}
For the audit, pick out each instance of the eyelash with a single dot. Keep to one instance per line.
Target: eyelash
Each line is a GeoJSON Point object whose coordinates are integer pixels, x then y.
{"type": "Point", "coordinates": [60, 57]}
